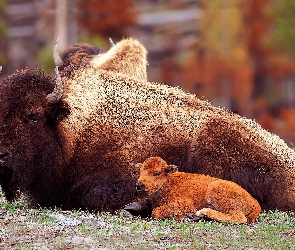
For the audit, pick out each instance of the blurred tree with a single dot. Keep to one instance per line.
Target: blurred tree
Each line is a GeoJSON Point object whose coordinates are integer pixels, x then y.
{"type": "Point", "coordinates": [61, 23]}
{"type": "Point", "coordinates": [257, 25]}
{"type": "Point", "coordinates": [260, 78]}
{"type": "Point", "coordinates": [224, 40]}
{"type": "Point", "coordinates": [222, 28]}
{"type": "Point", "coordinates": [3, 33]}
{"type": "Point", "coordinates": [282, 35]}
{"type": "Point", "coordinates": [281, 40]}
{"type": "Point", "coordinates": [107, 18]}
{"type": "Point", "coordinates": [3, 28]}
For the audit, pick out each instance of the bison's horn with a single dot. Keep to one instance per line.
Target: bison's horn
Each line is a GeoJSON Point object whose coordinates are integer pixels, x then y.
{"type": "Point", "coordinates": [56, 57]}
{"type": "Point", "coordinates": [58, 89]}
{"type": "Point", "coordinates": [111, 41]}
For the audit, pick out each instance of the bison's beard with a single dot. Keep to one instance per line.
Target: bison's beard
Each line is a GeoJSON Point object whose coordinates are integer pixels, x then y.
{"type": "Point", "coordinates": [34, 172]}
{"type": "Point", "coordinates": [8, 183]}
{"type": "Point", "coordinates": [30, 183]}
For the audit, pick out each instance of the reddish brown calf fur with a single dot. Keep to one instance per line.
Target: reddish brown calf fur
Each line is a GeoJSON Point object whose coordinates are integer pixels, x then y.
{"type": "Point", "coordinates": [175, 194]}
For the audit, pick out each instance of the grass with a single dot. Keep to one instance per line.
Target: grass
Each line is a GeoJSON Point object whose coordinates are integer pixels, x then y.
{"type": "Point", "coordinates": [24, 228]}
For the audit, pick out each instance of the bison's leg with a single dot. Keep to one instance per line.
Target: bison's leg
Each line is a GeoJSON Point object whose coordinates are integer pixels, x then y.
{"type": "Point", "coordinates": [103, 193]}
{"type": "Point", "coordinates": [230, 203]}
{"type": "Point", "coordinates": [177, 210]}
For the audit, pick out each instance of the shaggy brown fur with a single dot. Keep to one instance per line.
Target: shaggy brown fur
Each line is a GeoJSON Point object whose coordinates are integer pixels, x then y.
{"type": "Point", "coordinates": [77, 55]}
{"type": "Point", "coordinates": [80, 150]}
{"type": "Point", "coordinates": [178, 195]}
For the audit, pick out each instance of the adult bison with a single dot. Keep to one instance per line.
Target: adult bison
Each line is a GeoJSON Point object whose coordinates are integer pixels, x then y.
{"type": "Point", "coordinates": [73, 139]}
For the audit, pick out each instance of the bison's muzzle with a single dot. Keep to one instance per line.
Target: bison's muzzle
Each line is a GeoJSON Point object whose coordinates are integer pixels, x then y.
{"type": "Point", "coordinates": [3, 155]}
{"type": "Point", "coordinates": [5, 172]}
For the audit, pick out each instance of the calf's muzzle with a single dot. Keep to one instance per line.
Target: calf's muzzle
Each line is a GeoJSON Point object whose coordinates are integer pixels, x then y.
{"type": "Point", "coordinates": [140, 186]}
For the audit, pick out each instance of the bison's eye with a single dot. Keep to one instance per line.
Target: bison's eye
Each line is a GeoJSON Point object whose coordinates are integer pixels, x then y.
{"type": "Point", "coordinates": [33, 118]}
{"type": "Point", "coordinates": [157, 174]}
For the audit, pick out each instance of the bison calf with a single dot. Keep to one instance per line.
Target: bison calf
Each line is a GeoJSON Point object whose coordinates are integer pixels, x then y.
{"type": "Point", "coordinates": [178, 195]}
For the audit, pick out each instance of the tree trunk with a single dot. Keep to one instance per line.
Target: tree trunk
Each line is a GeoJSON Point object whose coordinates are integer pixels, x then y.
{"type": "Point", "coordinates": [61, 25]}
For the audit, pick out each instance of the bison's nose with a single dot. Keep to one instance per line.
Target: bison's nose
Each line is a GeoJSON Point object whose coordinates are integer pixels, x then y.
{"type": "Point", "coordinates": [140, 186]}
{"type": "Point", "coordinates": [3, 154]}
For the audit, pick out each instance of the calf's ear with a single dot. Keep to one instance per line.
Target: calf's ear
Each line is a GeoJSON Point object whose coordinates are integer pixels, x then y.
{"type": "Point", "coordinates": [170, 169]}
{"type": "Point", "coordinates": [58, 111]}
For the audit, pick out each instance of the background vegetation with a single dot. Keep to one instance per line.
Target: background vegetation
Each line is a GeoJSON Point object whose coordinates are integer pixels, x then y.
{"type": "Point", "coordinates": [235, 53]}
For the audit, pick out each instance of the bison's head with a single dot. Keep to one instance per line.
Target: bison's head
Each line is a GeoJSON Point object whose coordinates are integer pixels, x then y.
{"type": "Point", "coordinates": [30, 109]}
{"type": "Point", "coordinates": [153, 175]}
{"type": "Point", "coordinates": [32, 147]}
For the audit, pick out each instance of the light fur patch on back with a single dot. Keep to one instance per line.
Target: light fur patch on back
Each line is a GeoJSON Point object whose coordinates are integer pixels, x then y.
{"type": "Point", "coordinates": [127, 57]}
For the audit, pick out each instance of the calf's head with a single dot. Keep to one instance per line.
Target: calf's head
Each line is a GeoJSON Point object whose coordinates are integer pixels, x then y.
{"type": "Point", "coordinates": [153, 175]}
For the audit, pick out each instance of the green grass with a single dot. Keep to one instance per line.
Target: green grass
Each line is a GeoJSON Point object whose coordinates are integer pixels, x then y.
{"type": "Point", "coordinates": [24, 228]}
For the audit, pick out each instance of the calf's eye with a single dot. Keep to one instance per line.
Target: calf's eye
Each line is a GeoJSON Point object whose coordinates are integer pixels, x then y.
{"type": "Point", "coordinates": [157, 174]}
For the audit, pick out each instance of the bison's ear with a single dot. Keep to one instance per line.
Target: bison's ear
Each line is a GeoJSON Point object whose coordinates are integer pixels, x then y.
{"type": "Point", "coordinates": [138, 165]}
{"type": "Point", "coordinates": [127, 57]}
{"type": "Point", "coordinates": [58, 111]}
{"type": "Point", "coordinates": [170, 169]}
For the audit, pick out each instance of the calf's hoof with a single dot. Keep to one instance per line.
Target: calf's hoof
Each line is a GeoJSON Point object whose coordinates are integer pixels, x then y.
{"type": "Point", "coordinates": [193, 217]}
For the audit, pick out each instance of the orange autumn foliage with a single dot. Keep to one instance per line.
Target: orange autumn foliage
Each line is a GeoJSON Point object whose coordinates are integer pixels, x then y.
{"type": "Point", "coordinates": [106, 18]}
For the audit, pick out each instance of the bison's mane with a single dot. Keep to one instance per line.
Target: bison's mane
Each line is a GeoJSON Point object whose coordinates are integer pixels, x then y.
{"type": "Point", "coordinates": [28, 79]}
{"type": "Point", "coordinates": [76, 56]}
{"type": "Point", "coordinates": [22, 86]}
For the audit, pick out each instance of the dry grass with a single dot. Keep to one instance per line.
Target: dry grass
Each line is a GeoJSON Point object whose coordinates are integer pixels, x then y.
{"type": "Point", "coordinates": [24, 228]}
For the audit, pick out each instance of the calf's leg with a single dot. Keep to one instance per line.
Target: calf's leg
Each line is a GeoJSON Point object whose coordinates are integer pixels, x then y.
{"type": "Point", "coordinates": [232, 217]}
{"type": "Point", "coordinates": [177, 210]}
{"type": "Point", "coordinates": [230, 203]}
